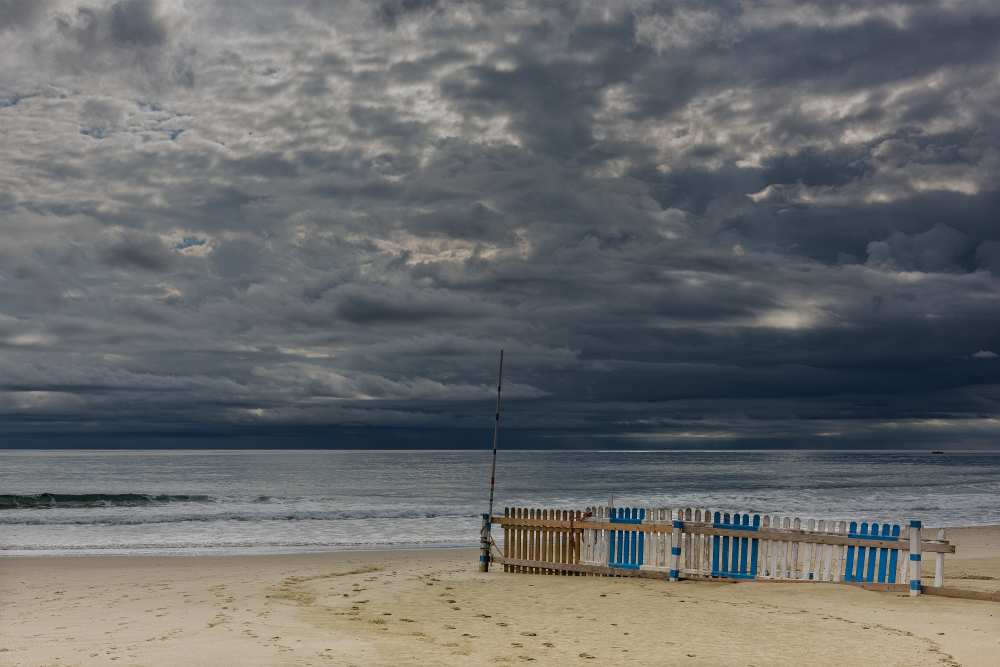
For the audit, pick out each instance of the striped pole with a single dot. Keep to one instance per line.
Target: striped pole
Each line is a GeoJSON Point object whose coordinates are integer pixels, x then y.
{"type": "Point", "coordinates": [915, 547]}
{"type": "Point", "coordinates": [675, 549]}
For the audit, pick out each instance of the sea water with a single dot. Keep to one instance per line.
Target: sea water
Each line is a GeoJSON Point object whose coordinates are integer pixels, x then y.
{"type": "Point", "coordinates": [196, 502]}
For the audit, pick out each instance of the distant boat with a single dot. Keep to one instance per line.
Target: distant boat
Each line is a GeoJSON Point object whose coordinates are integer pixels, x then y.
{"type": "Point", "coordinates": [936, 451]}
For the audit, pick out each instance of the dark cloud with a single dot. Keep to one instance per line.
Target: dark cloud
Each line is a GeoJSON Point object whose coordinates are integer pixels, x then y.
{"type": "Point", "coordinates": [136, 22]}
{"type": "Point", "coordinates": [138, 251]}
{"type": "Point", "coordinates": [315, 222]}
{"type": "Point", "coordinates": [20, 13]}
{"type": "Point", "coordinates": [390, 12]}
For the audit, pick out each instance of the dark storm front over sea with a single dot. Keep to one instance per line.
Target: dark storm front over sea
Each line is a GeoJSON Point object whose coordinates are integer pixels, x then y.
{"type": "Point", "coordinates": [288, 501]}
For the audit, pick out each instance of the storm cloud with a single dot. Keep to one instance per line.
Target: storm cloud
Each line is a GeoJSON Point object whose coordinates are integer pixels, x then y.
{"type": "Point", "coordinates": [315, 223]}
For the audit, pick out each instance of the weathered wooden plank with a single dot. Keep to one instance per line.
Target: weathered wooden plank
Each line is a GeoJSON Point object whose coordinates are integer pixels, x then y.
{"type": "Point", "coordinates": [946, 591]}
{"type": "Point", "coordinates": [807, 548]}
{"type": "Point", "coordinates": [518, 539]}
{"type": "Point", "coordinates": [569, 538]}
{"type": "Point", "coordinates": [602, 570]}
{"type": "Point", "coordinates": [783, 534]}
{"type": "Point", "coordinates": [506, 539]}
{"type": "Point", "coordinates": [576, 548]}
{"type": "Point", "coordinates": [939, 562]}
{"type": "Point", "coordinates": [772, 549]}
{"type": "Point", "coordinates": [533, 540]}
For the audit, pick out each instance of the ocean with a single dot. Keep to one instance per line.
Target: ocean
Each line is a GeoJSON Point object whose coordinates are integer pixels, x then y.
{"type": "Point", "coordinates": [226, 502]}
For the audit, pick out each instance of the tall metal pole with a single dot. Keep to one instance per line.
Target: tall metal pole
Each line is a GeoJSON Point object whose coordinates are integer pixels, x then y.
{"type": "Point", "coordinates": [496, 434]}
{"type": "Point", "coordinates": [484, 535]}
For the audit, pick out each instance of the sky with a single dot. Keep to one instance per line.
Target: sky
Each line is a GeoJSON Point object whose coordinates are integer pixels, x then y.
{"type": "Point", "coordinates": [314, 223]}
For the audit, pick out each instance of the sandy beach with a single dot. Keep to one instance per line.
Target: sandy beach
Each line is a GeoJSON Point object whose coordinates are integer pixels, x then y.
{"type": "Point", "coordinates": [432, 607]}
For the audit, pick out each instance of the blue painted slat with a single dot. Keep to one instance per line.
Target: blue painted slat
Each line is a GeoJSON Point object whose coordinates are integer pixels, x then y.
{"type": "Point", "coordinates": [893, 556]}
{"type": "Point", "coordinates": [624, 537]}
{"type": "Point", "coordinates": [849, 561]}
{"type": "Point", "coordinates": [725, 549]}
{"type": "Point", "coordinates": [626, 515]}
{"type": "Point", "coordinates": [872, 555]}
{"type": "Point", "coordinates": [715, 549]}
{"type": "Point", "coordinates": [754, 543]}
{"type": "Point", "coordinates": [625, 546]}
{"type": "Point", "coordinates": [744, 546]}
{"type": "Point", "coordinates": [859, 571]}
{"type": "Point", "coordinates": [633, 538]}
{"type": "Point", "coordinates": [883, 555]}
{"type": "Point", "coordinates": [629, 540]}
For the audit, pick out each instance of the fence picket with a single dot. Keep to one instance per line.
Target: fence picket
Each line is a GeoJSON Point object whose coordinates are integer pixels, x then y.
{"type": "Point", "coordinates": [536, 541]}
{"type": "Point", "coordinates": [872, 556]}
{"type": "Point", "coordinates": [893, 557]}
{"type": "Point", "coordinates": [883, 555]}
{"type": "Point", "coordinates": [859, 555]}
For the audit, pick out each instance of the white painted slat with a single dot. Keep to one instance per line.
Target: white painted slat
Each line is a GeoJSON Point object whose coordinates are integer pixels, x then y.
{"type": "Point", "coordinates": [795, 565]}
{"type": "Point", "coordinates": [651, 546]}
{"type": "Point", "coordinates": [762, 562]}
{"type": "Point", "coordinates": [809, 553]}
{"type": "Point", "coordinates": [706, 544]}
{"type": "Point", "coordinates": [776, 547]}
{"type": "Point", "coordinates": [822, 563]}
{"type": "Point", "coordinates": [664, 540]}
{"type": "Point", "coordinates": [698, 550]}
{"type": "Point", "coordinates": [786, 552]}
{"type": "Point", "coordinates": [687, 550]}
{"type": "Point", "coordinates": [838, 552]}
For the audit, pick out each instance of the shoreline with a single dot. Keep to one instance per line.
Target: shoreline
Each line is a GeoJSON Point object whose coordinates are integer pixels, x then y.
{"type": "Point", "coordinates": [275, 554]}
{"type": "Point", "coordinates": [961, 530]}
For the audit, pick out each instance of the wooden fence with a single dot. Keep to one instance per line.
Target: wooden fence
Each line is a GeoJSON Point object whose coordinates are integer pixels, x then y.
{"type": "Point", "coordinates": [694, 543]}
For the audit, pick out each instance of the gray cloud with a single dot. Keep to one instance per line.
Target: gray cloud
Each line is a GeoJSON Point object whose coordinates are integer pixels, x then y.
{"type": "Point", "coordinates": [20, 13]}
{"type": "Point", "coordinates": [686, 223]}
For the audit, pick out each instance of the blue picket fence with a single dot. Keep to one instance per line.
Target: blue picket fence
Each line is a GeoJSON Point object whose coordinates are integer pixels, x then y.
{"type": "Point", "coordinates": [857, 568]}
{"type": "Point", "coordinates": [730, 557]}
{"type": "Point", "coordinates": [626, 547]}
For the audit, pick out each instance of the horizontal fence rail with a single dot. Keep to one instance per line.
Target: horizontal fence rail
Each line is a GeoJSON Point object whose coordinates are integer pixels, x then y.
{"type": "Point", "coordinates": [702, 544]}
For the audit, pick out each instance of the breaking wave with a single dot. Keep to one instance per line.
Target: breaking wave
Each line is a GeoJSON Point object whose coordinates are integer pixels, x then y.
{"type": "Point", "coordinates": [41, 500]}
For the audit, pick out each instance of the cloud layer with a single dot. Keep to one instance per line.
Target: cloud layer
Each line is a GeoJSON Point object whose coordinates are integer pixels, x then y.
{"type": "Point", "coordinates": [687, 223]}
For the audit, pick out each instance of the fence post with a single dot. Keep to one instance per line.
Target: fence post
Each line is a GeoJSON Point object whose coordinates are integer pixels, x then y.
{"type": "Point", "coordinates": [675, 549]}
{"type": "Point", "coordinates": [915, 549]}
{"type": "Point", "coordinates": [939, 562]}
{"type": "Point", "coordinates": [484, 544]}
